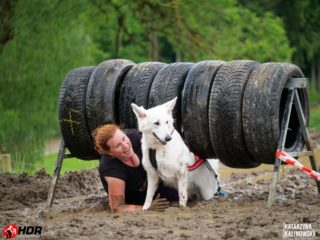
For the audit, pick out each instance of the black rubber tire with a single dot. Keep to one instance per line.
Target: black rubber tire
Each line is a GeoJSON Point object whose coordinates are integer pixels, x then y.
{"type": "Point", "coordinates": [263, 106]}
{"type": "Point", "coordinates": [167, 85]}
{"type": "Point", "coordinates": [103, 92]}
{"type": "Point", "coordinates": [72, 114]}
{"type": "Point", "coordinates": [135, 89]}
{"type": "Point", "coordinates": [194, 107]}
{"type": "Point", "coordinates": [225, 114]}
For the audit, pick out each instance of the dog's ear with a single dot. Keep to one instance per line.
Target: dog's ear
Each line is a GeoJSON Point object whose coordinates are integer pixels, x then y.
{"type": "Point", "coordinates": [140, 112]}
{"type": "Point", "coordinates": [170, 105]}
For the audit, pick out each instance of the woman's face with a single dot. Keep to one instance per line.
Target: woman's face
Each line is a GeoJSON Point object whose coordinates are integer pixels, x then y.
{"type": "Point", "coordinates": [120, 146]}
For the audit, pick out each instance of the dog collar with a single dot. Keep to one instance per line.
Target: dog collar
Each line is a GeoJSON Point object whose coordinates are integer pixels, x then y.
{"type": "Point", "coordinates": [197, 163]}
{"type": "Point", "coordinates": [152, 157]}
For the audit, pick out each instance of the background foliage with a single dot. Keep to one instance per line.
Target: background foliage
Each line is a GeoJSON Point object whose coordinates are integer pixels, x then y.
{"type": "Point", "coordinates": [41, 40]}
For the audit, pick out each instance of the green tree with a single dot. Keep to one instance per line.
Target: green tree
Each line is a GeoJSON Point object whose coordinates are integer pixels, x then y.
{"type": "Point", "coordinates": [229, 32]}
{"type": "Point", "coordinates": [47, 41]}
{"type": "Point", "coordinates": [190, 30]}
{"type": "Point", "coordinates": [302, 24]}
{"type": "Point", "coordinates": [42, 40]}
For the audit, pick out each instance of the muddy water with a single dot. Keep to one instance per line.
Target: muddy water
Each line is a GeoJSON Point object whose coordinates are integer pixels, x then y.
{"type": "Point", "coordinates": [81, 209]}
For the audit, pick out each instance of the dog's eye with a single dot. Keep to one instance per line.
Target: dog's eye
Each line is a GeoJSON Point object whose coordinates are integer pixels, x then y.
{"type": "Point", "coordinates": [167, 122]}
{"type": "Point", "coordinates": [157, 123]}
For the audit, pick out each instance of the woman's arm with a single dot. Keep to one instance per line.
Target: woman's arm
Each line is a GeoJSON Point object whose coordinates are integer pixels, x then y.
{"type": "Point", "coordinates": [116, 189]}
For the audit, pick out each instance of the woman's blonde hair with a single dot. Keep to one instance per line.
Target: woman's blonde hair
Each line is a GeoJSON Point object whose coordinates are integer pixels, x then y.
{"type": "Point", "coordinates": [101, 136]}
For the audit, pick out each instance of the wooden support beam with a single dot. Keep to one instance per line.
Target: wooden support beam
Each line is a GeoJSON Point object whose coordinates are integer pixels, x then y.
{"type": "Point", "coordinates": [5, 163]}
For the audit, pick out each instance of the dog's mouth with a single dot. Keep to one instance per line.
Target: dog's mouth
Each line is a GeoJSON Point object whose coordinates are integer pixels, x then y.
{"type": "Point", "coordinates": [161, 141]}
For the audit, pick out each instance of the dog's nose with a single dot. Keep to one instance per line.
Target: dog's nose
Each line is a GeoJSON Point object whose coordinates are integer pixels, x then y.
{"type": "Point", "coordinates": [168, 138]}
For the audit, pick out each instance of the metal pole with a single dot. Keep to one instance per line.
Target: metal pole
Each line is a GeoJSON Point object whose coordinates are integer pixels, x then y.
{"type": "Point", "coordinates": [56, 173]}
{"type": "Point", "coordinates": [282, 140]}
{"type": "Point", "coordinates": [306, 135]}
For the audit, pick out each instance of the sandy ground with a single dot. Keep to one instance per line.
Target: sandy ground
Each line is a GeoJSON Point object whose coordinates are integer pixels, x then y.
{"type": "Point", "coordinates": [80, 209]}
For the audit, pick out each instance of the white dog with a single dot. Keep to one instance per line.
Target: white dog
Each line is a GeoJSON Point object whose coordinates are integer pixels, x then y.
{"type": "Point", "coordinates": [172, 157]}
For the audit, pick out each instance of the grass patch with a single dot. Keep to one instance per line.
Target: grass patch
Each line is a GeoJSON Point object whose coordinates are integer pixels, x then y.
{"type": "Point", "coordinates": [314, 96]}
{"type": "Point", "coordinates": [69, 164]}
{"type": "Point", "coordinates": [49, 162]}
{"type": "Point", "coordinates": [315, 117]}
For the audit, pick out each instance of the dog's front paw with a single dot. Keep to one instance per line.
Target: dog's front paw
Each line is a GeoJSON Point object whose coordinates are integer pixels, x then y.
{"type": "Point", "coordinates": [146, 207]}
{"type": "Point", "coordinates": [183, 201]}
{"type": "Point", "coordinates": [182, 205]}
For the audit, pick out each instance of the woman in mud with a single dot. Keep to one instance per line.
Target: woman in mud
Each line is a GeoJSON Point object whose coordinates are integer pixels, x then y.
{"type": "Point", "coordinates": [121, 172]}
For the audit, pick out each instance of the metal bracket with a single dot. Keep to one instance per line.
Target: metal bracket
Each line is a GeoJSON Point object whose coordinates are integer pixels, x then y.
{"type": "Point", "coordinates": [297, 83]}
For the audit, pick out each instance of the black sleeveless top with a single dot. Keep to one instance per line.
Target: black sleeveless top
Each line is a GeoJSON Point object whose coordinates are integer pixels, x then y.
{"type": "Point", "coordinates": [134, 177]}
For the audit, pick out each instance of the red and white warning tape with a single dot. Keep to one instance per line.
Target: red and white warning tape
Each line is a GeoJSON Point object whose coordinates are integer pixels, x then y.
{"type": "Point", "coordinates": [287, 158]}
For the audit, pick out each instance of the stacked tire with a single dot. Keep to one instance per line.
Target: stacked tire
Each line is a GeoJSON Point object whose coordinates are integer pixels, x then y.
{"type": "Point", "coordinates": [227, 110]}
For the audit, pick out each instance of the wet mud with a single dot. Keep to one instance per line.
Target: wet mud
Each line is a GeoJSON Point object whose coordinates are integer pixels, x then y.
{"type": "Point", "coordinates": [80, 209]}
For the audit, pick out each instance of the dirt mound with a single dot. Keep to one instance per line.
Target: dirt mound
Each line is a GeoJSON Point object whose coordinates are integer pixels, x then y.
{"type": "Point", "coordinates": [81, 210]}
{"type": "Point", "coordinates": [21, 190]}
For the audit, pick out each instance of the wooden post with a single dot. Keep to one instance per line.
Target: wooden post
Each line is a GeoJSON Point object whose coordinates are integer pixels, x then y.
{"type": "Point", "coordinates": [5, 163]}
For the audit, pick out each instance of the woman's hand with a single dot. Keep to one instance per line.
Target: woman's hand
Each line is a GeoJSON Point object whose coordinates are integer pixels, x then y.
{"type": "Point", "coordinates": [159, 204]}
